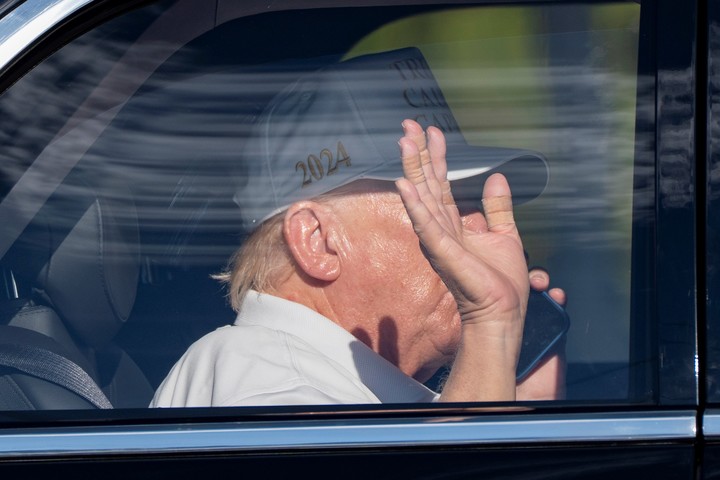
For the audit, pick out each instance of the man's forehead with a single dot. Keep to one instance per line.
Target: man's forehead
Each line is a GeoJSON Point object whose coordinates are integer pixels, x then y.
{"type": "Point", "coordinates": [367, 196]}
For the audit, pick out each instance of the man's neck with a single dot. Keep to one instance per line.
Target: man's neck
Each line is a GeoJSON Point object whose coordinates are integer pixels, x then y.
{"type": "Point", "coordinates": [381, 335]}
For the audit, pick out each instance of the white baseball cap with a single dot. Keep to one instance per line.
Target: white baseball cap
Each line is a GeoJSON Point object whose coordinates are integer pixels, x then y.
{"type": "Point", "coordinates": [342, 123]}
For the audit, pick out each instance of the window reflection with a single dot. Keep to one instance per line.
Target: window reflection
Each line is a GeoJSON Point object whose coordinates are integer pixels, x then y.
{"type": "Point", "coordinates": [155, 129]}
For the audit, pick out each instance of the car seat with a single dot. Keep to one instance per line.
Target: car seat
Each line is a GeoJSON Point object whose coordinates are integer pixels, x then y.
{"type": "Point", "coordinates": [77, 268]}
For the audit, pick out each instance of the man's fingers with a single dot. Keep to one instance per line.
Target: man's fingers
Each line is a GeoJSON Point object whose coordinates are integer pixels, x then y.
{"type": "Point", "coordinates": [498, 212]}
{"type": "Point", "coordinates": [558, 294]}
{"type": "Point", "coordinates": [539, 279]}
{"type": "Point", "coordinates": [437, 149]}
{"type": "Point", "coordinates": [497, 204]}
{"type": "Point", "coordinates": [411, 163]}
{"type": "Point", "coordinates": [415, 132]}
{"type": "Point", "coordinates": [440, 246]}
{"type": "Point", "coordinates": [430, 232]}
{"type": "Point", "coordinates": [414, 171]}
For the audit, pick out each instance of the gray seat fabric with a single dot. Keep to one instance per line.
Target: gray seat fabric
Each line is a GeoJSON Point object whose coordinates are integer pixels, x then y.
{"type": "Point", "coordinates": [81, 260]}
{"type": "Point", "coordinates": [22, 391]}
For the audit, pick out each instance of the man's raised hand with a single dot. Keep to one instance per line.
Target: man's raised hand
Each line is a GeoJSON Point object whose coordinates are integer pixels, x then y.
{"type": "Point", "coordinates": [480, 259]}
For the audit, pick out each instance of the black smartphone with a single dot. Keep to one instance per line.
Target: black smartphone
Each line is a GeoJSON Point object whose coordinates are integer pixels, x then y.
{"type": "Point", "coordinates": [545, 324]}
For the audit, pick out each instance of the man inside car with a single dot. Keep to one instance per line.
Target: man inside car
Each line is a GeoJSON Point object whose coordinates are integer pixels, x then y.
{"type": "Point", "coordinates": [368, 270]}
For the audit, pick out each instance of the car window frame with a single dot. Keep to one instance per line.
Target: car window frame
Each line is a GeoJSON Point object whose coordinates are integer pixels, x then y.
{"type": "Point", "coordinates": [673, 418]}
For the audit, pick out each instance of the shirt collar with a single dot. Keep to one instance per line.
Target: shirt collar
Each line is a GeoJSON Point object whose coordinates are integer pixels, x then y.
{"type": "Point", "coordinates": [384, 379]}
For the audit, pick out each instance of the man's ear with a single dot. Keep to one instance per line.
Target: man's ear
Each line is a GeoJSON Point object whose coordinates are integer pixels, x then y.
{"type": "Point", "coordinates": [310, 229]}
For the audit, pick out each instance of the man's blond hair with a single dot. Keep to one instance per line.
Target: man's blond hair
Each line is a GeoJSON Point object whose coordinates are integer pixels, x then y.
{"type": "Point", "coordinates": [259, 263]}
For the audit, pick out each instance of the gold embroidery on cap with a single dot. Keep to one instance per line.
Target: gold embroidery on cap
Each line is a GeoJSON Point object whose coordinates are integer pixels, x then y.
{"type": "Point", "coordinates": [314, 167]}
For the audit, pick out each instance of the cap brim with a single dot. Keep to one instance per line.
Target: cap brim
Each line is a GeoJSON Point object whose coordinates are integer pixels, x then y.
{"type": "Point", "coordinates": [468, 167]}
{"type": "Point", "coordinates": [526, 172]}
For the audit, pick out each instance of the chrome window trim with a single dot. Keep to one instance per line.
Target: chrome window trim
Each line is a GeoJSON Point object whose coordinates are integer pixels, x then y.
{"type": "Point", "coordinates": [353, 433]}
{"type": "Point", "coordinates": [711, 423]}
{"type": "Point", "coordinates": [29, 21]}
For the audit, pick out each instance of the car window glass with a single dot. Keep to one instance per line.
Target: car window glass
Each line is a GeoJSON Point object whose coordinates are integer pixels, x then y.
{"type": "Point", "coordinates": [711, 236]}
{"type": "Point", "coordinates": [119, 173]}
{"type": "Point", "coordinates": [549, 84]}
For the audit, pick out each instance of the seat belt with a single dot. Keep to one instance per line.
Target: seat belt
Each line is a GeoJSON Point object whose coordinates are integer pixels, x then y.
{"type": "Point", "coordinates": [47, 365]}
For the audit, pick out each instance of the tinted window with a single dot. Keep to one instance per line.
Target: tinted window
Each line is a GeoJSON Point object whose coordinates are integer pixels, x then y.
{"type": "Point", "coordinates": [712, 238]}
{"type": "Point", "coordinates": [147, 119]}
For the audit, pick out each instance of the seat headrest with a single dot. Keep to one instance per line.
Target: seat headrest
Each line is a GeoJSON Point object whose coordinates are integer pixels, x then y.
{"type": "Point", "coordinates": [91, 275]}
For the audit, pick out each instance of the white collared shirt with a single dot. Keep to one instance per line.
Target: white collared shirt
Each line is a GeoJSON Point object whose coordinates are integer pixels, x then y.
{"type": "Point", "coordinates": [279, 352]}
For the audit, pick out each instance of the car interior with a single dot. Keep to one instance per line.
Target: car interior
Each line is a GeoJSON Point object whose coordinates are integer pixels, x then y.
{"type": "Point", "coordinates": [117, 202]}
